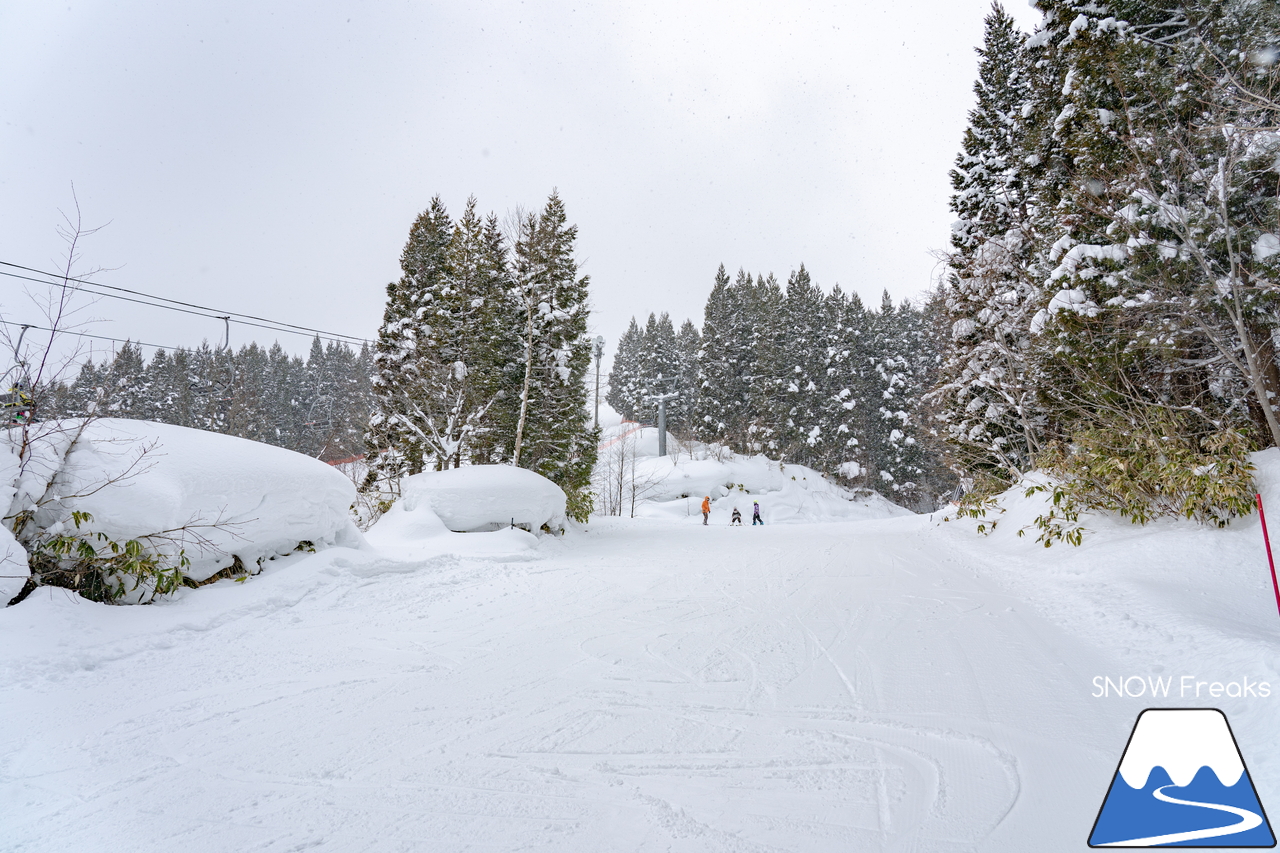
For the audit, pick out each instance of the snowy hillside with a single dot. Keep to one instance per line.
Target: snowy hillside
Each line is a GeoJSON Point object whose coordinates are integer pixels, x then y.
{"type": "Point", "coordinates": [896, 683]}
{"type": "Point", "coordinates": [647, 485]}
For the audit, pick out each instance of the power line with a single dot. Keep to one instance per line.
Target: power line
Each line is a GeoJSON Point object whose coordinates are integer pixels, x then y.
{"type": "Point", "coordinates": [216, 314]}
{"type": "Point", "coordinates": [111, 295]}
{"type": "Point", "coordinates": [86, 335]}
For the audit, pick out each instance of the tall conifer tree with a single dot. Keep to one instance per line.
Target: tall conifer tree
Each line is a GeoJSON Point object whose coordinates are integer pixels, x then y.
{"type": "Point", "coordinates": [554, 433]}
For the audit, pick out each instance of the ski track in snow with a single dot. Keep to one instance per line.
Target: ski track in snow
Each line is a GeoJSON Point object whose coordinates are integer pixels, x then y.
{"type": "Point", "coordinates": [645, 686]}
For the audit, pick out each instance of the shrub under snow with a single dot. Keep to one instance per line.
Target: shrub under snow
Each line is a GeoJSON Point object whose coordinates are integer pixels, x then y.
{"type": "Point", "coordinates": [214, 496]}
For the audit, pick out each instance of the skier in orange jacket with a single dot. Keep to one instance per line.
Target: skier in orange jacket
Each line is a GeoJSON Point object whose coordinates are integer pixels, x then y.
{"type": "Point", "coordinates": [706, 509]}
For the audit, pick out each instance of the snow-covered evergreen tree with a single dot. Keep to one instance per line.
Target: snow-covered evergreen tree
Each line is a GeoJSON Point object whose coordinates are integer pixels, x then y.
{"type": "Point", "coordinates": [1160, 301]}
{"type": "Point", "coordinates": [801, 368]}
{"type": "Point", "coordinates": [395, 445]}
{"type": "Point", "coordinates": [680, 412]}
{"type": "Point", "coordinates": [849, 410]}
{"type": "Point", "coordinates": [985, 402]}
{"type": "Point", "coordinates": [124, 383]}
{"type": "Point", "coordinates": [763, 365]}
{"type": "Point", "coordinates": [725, 361]}
{"type": "Point", "coordinates": [624, 380]}
{"type": "Point", "coordinates": [248, 416]}
{"type": "Point", "coordinates": [499, 349]}
{"type": "Point", "coordinates": [659, 368]}
{"type": "Point", "coordinates": [554, 436]}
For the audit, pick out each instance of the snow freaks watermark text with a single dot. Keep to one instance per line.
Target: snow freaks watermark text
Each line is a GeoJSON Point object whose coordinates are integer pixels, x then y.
{"type": "Point", "coordinates": [1178, 687]}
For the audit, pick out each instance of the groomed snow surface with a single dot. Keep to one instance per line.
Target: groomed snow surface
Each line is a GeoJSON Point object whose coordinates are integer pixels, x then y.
{"type": "Point", "coordinates": [878, 682]}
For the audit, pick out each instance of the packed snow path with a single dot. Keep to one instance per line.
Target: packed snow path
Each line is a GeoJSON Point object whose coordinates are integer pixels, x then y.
{"type": "Point", "coordinates": [644, 686]}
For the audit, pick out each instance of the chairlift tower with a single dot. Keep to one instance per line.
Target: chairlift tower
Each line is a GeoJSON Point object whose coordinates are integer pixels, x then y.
{"type": "Point", "coordinates": [661, 400]}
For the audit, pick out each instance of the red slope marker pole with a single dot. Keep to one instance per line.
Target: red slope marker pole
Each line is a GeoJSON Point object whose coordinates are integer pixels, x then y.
{"type": "Point", "coordinates": [1271, 562]}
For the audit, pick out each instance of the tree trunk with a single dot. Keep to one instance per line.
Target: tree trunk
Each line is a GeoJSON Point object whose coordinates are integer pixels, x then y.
{"type": "Point", "coordinates": [1265, 379]}
{"type": "Point", "coordinates": [524, 392]}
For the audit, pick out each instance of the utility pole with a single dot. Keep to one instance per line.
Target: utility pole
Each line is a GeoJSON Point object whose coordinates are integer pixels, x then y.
{"type": "Point", "coordinates": [599, 352]}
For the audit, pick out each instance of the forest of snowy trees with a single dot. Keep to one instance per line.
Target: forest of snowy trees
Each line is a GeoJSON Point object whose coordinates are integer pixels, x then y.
{"type": "Point", "coordinates": [798, 374]}
{"type": "Point", "coordinates": [1113, 303]}
{"type": "Point", "coordinates": [318, 406]}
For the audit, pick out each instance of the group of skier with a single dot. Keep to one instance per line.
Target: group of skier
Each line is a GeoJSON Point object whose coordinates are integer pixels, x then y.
{"type": "Point", "coordinates": [736, 517]}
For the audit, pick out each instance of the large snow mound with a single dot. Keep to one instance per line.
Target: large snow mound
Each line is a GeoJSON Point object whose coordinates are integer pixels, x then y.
{"type": "Point", "coordinates": [673, 486]}
{"type": "Point", "coordinates": [411, 531]}
{"type": "Point", "coordinates": [486, 497]}
{"type": "Point", "coordinates": [13, 566]}
{"type": "Point", "coordinates": [234, 497]}
{"type": "Point", "coordinates": [13, 557]}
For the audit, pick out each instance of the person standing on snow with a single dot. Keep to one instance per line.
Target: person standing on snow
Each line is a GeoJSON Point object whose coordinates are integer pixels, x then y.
{"type": "Point", "coordinates": [706, 509]}
{"type": "Point", "coordinates": [755, 514]}
{"type": "Point", "coordinates": [736, 519]}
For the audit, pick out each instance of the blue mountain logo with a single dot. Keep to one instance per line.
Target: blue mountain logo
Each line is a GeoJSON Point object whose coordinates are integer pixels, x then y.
{"type": "Point", "coordinates": [1182, 783]}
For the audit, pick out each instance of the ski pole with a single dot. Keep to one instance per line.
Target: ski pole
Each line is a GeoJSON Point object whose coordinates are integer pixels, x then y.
{"type": "Point", "coordinates": [1270, 561]}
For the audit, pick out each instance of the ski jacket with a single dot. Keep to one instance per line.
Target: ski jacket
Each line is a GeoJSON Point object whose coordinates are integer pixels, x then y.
{"type": "Point", "coordinates": [706, 504]}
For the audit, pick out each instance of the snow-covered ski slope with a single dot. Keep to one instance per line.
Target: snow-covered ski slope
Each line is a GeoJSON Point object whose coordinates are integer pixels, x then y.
{"type": "Point", "coordinates": [645, 685]}
{"type": "Point", "coordinates": [673, 487]}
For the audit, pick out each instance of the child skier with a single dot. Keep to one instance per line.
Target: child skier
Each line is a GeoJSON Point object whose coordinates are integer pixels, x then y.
{"type": "Point", "coordinates": [706, 509]}
{"type": "Point", "coordinates": [755, 514]}
{"type": "Point", "coordinates": [736, 519]}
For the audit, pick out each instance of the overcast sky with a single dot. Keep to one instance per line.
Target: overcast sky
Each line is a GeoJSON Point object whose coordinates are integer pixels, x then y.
{"type": "Point", "coordinates": [268, 158]}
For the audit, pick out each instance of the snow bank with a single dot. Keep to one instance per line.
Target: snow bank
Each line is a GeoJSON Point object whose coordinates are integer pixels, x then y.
{"type": "Point", "coordinates": [1145, 587]}
{"type": "Point", "coordinates": [234, 496]}
{"type": "Point", "coordinates": [486, 497]}
{"type": "Point", "coordinates": [1016, 511]}
{"type": "Point", "coordinates": [468, 511]}
{"type": "Point", "coordinates": [411, 531]}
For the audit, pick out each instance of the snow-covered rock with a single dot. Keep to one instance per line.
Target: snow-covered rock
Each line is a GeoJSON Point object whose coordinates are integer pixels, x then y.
{"type": "Point", "coordinates": [233, 496]}
{"type": "Point", "coordinates": [485, 497]}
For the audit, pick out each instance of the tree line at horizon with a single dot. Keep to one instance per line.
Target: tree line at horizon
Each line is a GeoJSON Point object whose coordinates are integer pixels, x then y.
{"type": "Point", "coordinates": [318, 406]}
